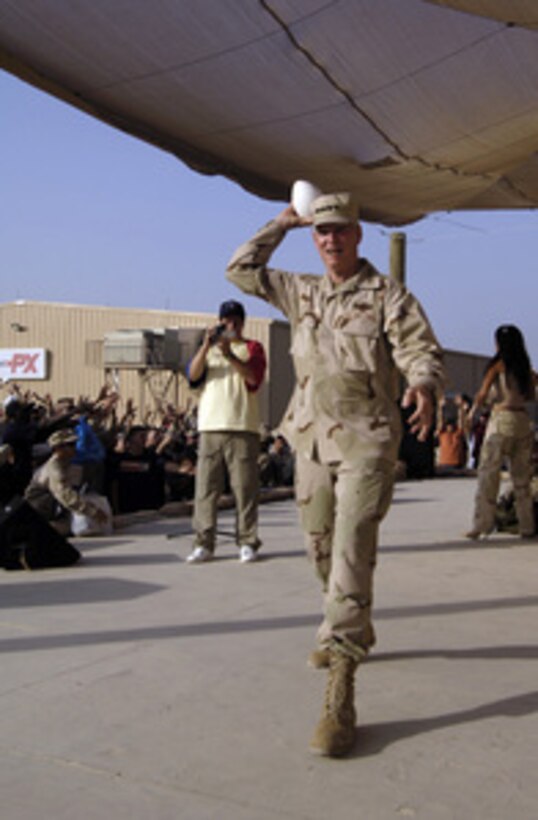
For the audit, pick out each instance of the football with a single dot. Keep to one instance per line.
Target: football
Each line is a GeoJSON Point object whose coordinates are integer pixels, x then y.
{"type": "Point", "coordinates": [303, 194]}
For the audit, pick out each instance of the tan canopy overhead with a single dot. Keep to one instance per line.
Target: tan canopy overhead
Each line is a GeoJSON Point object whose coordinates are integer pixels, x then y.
{"type": "Point", "coordinates": [416, 105]}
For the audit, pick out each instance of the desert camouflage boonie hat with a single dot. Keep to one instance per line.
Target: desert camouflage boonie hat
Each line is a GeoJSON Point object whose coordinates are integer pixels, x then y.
{"type": "Point", "coordinates": [62, 437]}
{"type": "Point", "coordinates": [335, 209]}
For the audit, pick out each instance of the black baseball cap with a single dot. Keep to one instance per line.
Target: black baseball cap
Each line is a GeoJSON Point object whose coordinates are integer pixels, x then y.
{"type": "Point", "coordinates": [232, 308]}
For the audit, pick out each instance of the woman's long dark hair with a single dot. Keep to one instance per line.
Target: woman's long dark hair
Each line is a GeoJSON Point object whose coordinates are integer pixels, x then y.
{"type": "Point", "coordinates": [514, 356]}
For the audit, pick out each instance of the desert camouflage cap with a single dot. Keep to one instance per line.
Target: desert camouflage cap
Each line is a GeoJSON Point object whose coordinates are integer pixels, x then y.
{"type": "Point", "coordinates": [335, 209]}
{"type": "Point", "coordinates": [61, 438]}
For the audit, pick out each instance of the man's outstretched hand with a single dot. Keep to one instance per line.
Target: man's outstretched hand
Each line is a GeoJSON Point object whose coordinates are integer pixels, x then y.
{"type": "Point", "coordinates": [421, 420]}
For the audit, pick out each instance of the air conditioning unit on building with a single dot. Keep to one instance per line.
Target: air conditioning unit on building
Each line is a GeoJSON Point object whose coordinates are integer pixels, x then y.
{"type": "Point", "coordinates": [161, 348]}
{"type": "Point", "coordinates": [142, 349]}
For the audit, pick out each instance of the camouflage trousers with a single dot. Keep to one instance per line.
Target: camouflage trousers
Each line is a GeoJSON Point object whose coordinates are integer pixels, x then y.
{"type": "Point", "coordinates": [508, 438]}
{"type": "Point", "coordinates": [234, 454]}
{"type": "Point", "coordinates": [341, 506]}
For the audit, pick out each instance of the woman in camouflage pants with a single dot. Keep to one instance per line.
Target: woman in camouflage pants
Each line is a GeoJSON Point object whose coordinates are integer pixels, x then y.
{"type": "Point", "coordinates": [509, 434]}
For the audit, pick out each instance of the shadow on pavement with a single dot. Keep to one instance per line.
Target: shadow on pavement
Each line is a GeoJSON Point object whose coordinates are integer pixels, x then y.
{"type": "Point", "coordinates": [133, 560]}
{"type": "Point", "coordinates": [498, 541]}
{"type": "Point", "coordinates": [90, 544]}
{"type": "Point", "coordinates": [454, 607]}
{"type": "Point", "coordinates": [517, 652]}
{"type": "Point", "coordinates": [374, 738]}
{"type": "Point", "coordinates": [414, 500]}
{"type": "Point", "coordinates": [174, 632]}
{"type": "Point", "coordinates": [100, 590]}
{"type": "Point", "coordinates": [73, 591]}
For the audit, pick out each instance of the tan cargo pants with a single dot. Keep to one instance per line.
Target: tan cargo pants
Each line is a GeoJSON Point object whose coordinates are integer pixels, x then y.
{"type": "Point", "coordinates": [236, 453]}
{"type": "Point", "coordinates": [508, 437]}
{"type": "Point", "coordinates": [341, 507]}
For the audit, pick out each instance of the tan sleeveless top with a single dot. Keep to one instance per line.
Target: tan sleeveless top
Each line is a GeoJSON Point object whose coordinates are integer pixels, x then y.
{"type": "Point", "coordinates": [509, 397]}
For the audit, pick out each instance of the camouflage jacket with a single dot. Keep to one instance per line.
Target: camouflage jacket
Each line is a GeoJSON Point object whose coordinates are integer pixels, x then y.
{"type": "Point", "coordinates": [349, 344]}
{"type": "Point", "coordinates": [51, 486]}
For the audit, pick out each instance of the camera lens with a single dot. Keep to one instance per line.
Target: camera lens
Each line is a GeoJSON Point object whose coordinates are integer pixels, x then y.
{"type": "Point", "coordinates": [217, 333]}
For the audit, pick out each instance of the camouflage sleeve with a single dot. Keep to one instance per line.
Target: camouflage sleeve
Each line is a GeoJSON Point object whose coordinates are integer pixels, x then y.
{"type": "Point", "coordinates": [248, 270]}
{"type": "Point", "coordinates": [415, 349]}
{"type": "Point", "coordinates": [65, 494]}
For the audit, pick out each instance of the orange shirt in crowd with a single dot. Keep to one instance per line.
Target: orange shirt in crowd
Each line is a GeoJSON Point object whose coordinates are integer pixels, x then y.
{"type": "Point", "coordinates": [451, 447]}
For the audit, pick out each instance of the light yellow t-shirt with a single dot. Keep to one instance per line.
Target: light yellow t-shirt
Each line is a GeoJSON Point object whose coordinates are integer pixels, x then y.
{"type": "Point", "coordinates": [226, 402]}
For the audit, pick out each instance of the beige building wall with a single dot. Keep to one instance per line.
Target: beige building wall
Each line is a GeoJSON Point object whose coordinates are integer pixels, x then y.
{"type": "Point", "coordinates": [465, 371]}
{"type": "Point", "coordinates": [73, 335]}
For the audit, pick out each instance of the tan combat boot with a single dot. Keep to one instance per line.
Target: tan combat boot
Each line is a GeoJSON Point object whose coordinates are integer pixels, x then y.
{"type": "Point", "coordinates": [319, 658]}
{"type": "Point", "coordinates": [335, 733]}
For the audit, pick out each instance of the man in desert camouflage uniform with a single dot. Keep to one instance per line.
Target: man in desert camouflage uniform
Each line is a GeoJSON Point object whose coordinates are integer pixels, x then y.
{"type": "Point", "coordinates": [51, 492]}
{"type": "Point", "coordinates": [354, 332]}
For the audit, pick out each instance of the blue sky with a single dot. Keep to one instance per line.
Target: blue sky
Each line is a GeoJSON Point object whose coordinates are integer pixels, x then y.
{"type": "Point", "coordinates": [90, 215]}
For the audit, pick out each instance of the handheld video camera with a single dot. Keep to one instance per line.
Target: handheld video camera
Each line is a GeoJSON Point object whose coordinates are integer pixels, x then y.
{"type": "Point", "coordinates": [217, 333]}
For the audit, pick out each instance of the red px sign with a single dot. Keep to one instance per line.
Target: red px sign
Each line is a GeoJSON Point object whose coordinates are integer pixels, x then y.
{"type": "Point", "coordinates": [22, 363]}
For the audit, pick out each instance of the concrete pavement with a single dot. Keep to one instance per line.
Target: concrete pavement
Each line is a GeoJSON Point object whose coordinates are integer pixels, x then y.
{"type": "Point", "coordinates": [136, 686]}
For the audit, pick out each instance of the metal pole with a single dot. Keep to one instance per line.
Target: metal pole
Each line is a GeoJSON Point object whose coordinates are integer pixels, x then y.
{"type": "Point", "coordinates": [141, 395]}
{"type": "Point", "coordinates": [397, 257]}
{"type": "Point", "coordinates": [397, 271]}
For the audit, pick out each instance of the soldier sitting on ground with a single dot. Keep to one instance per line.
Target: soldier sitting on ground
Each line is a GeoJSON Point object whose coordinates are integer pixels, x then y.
{"type": "Point", "coordinates": [51, 491]}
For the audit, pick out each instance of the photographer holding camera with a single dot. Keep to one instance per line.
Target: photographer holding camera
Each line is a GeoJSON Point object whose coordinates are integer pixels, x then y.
{"type": "Point", "coordinates": [229, 370]}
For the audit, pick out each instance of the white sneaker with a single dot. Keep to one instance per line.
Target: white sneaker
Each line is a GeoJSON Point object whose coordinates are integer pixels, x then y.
{"type": "Point", "coordinates": [476, 535]}
{"type": "Point", "coordinates": [247, 554]}
{"type": "Point", "coordinates": [199, 555]}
